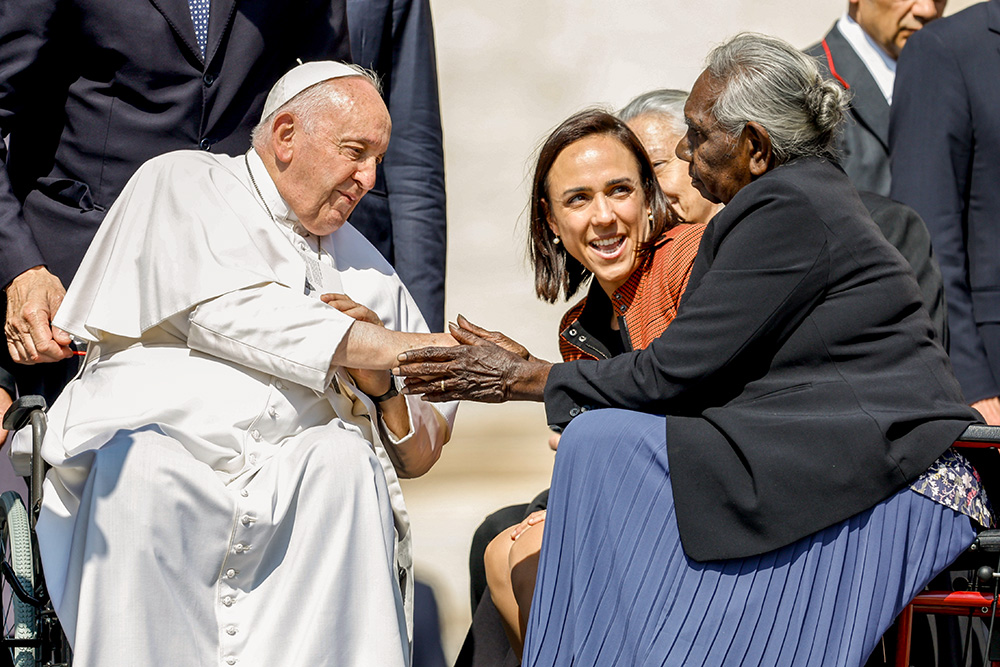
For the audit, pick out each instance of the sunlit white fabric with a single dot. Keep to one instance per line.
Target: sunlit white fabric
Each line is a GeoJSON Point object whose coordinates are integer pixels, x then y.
{"type": "Point", "coordinates": [219, 494]}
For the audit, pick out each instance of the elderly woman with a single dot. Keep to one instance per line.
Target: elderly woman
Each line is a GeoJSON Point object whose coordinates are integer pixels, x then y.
{"type": "Point", "coordinates": [801, 487]}
{"type": "Point", "coordinates": [657, 118]}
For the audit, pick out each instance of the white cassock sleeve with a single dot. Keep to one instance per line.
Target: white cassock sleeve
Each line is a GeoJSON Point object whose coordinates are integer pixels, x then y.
{"type": "Point", "coordinates": [271, 329]}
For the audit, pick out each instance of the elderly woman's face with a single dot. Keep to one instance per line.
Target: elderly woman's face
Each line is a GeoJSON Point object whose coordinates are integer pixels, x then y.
{"type": "Point", "coordinates": [719, 165]}
{"type": "Point", "coordinates": [657, 134]}
{"type": "Point", "coordinates": [597, 208]}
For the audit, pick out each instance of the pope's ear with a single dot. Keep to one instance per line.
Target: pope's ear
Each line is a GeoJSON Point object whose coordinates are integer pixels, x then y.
{"type": "Point", "coordinates": [761, 153]}
{"type": "Point", "coordinates": [283, 129]}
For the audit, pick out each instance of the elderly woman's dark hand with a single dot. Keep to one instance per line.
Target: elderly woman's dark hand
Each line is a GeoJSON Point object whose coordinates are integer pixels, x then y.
{"type": "Point", "coordinates": [487, 367]}
{"type": "Point", "coordinates": [496, 338]}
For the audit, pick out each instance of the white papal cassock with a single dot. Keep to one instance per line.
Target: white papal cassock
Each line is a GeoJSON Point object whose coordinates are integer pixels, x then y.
{"type": "Point", "coordinates": [218, 494]}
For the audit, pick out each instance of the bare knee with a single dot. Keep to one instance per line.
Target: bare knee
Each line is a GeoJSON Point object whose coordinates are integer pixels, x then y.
{"type": "Point", "coordinates": [523, 565]}
{"type": "Point", "coordinates": [496, 560]}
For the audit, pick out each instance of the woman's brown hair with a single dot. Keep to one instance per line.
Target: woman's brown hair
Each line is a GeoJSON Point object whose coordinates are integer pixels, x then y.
{"type": "Point", "coordinates": [555, 270]}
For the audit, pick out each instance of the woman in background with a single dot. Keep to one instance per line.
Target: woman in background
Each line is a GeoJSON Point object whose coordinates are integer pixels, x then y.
{"type": "Point", "coordinates": [657, 118]}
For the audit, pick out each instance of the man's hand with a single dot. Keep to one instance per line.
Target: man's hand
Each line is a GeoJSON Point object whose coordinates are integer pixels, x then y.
{"type": "Point", "coordinates": [477, 370]}
{"type": "Point", "coordinates": [989, 408]}
{"type": "Point", "coordinates": [5, 402]}
{"type": "Point", "coordinates": [32, 300]}
{"type": "Point", "coordinates": [373, 383]}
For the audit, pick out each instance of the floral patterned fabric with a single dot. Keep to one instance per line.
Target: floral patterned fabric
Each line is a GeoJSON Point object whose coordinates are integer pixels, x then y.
{"type": "Point", "coordinates": [953, 482]}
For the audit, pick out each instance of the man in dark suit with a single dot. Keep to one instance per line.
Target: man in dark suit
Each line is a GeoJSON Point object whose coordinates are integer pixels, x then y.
{"type": "Point", "coordinates": [91, 90]}
{"type": "Point", "coordinates": [945, 140]}
{"type": "Point", "coordinates": [860, 53]}
{"type": "Point", "coordinates": [404, 214]}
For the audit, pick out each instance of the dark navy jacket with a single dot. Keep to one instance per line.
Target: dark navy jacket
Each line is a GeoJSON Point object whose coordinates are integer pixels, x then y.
{"type": "Point", "coordinates": [800, 378]}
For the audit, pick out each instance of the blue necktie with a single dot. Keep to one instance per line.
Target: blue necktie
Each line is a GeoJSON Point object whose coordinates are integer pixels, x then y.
{"type": "Point", "coordinates": [199, 14]}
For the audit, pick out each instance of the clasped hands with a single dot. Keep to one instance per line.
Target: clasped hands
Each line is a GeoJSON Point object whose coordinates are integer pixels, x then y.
{"type": "Point", "coordinates": [486, 366]}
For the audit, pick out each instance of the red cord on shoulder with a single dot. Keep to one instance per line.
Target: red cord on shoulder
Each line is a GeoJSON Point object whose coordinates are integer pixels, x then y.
{"type": "Point", "coordinates": [833, 70]}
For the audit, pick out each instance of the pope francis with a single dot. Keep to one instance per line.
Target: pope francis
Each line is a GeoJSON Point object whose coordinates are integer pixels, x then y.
{"type": "Point", "coordinates": [224, 485]}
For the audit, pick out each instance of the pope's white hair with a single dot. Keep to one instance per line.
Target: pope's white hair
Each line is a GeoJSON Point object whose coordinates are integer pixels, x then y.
{"type": "Point", "coordinates": [307, 104]}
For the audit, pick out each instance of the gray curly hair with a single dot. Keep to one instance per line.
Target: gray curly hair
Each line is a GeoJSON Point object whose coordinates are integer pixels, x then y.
{"type": "Point", "coordinates": [768, 81]}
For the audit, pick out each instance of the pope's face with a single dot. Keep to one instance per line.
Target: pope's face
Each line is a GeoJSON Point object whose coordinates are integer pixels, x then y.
{"type": "Point", "coordinates": [333, 158]}
{"type": "Point", "coordinates": [660, 139]}
{"type": "Point", "coordinates": [891, 22]}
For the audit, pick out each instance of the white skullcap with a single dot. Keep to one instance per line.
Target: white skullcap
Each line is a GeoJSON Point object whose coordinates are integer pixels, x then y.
{"type": "Point", "coordinates": [301, 77]}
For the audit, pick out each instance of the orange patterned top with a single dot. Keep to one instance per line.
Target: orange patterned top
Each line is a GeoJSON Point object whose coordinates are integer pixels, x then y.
{"type": "Point", "coordinates": [646, 303]}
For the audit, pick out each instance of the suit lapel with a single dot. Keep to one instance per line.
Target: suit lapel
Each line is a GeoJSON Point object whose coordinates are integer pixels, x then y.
{"type": "Point", "coordinates": [178, 16]}
{"type": "Point", "coordinates": [218, 24]}
{"type": "Point", "coordinates": [868, 103]}
{"type": "Point", "coordinates": [993, 11]}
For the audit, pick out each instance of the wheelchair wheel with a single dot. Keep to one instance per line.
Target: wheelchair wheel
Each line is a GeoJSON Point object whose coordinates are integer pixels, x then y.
{"type": "Point", "coordinates": [20, 619]}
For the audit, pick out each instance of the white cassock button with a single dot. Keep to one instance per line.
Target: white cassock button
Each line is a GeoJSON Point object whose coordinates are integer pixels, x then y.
{"type": "Point", "coordinates": [278, 384]}
{"type": "Point", "coordinates": [272, 413]}
{"type": "Point", "coordinates": [253, 459]}
{"type": "Point", "coordinates": [228, 601]}
{"type": "Point", "coordinates": [230, 660]}
{"type": "Point", "coordinates": [231, 630]}
{"type": "Point", "coordinates": [231, 573]}
{"type": "Point", "coordinates": [255, 434]}
{"type": "Point", "coordinates": [244, 493]}
{"type": "Point", "coordinates": [241, 548]}
{"type": "Point", "coordinates": [246, 520]}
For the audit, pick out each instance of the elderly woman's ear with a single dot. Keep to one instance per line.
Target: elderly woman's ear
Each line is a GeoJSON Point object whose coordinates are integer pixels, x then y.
{"type": "Point", "coordinates": [761, 157]}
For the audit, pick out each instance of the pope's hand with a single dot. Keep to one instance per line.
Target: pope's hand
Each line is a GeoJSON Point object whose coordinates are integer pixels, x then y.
{"type": "Point", "coordinates": [372, 382]}
{"type": "Point", "coordinates": [32, 300]}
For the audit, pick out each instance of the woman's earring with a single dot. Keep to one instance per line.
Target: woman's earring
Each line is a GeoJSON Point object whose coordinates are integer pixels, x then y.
{"type": "Point", "coordinates": [649, 214]}
{"type": "Point", "coordinates": [556, 240]}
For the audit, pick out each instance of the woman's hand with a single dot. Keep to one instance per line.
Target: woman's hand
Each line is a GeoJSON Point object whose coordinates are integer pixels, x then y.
{"type": "Point", "coordinates": [989, 408]}
{"type": "Point", "coordinates": [477, 370]}
{"type": "Point", "coordinates": [496, 338]}
{"type": "Point", "coordinates": [533, 519]}
{"type": "Point", "coordinates": [372, 382]}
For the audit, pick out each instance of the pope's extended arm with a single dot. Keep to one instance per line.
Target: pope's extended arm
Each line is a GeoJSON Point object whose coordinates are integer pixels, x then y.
{"type": "Point", "coordinates": [274, 330]}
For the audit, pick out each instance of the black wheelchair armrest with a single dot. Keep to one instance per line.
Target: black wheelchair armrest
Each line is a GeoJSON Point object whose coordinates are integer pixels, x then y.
{"type": "Point", "coordinates": [980, 433]}
{"type": "Point", "coordinates": [18, 414]}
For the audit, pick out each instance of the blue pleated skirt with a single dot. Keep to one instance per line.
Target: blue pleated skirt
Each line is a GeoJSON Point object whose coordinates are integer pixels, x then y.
{"type": "Point", "coordinates": [614, 586]}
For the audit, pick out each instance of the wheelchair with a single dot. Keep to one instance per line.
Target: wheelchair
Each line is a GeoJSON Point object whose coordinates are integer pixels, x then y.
{"type": "Point", "coordinates": [977, 595]}
{"type": "Point", "coordinates": [32, 636]}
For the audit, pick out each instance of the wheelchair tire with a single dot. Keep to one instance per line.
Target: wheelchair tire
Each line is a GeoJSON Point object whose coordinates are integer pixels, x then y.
{"type": "Point", "coordinates": [20, 619]}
